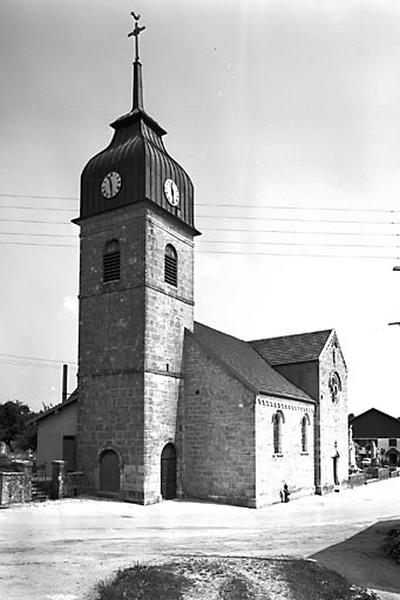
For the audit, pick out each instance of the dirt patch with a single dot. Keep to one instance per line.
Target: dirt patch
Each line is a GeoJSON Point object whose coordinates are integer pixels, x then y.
{"type": "Point", "coordinates": [230, 579]}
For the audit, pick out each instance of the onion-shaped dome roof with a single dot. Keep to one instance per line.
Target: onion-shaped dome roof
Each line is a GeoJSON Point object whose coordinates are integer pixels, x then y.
{"type": "Point", "coordinates": [138, 167]}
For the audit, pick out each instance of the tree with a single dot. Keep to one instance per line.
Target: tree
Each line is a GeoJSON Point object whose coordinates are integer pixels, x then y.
{"type": "Point", "coordinates": [17, 425]}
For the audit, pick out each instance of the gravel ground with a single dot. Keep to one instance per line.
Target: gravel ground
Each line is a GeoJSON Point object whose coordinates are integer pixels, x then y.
{"type": "Point", "coordinates": [59, 550]}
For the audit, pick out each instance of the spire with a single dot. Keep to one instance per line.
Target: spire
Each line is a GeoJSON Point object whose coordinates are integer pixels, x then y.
{"type": "Point", "coordinates": [137, 94]}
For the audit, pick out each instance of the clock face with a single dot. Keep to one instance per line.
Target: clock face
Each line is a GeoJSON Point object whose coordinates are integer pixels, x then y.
{"type": "Point", "coordinates": [171, 192]}
{"type": "Point", "coordinates": [111, 184]}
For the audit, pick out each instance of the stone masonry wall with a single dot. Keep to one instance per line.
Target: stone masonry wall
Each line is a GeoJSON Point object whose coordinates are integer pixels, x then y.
{"type": "Point", "coordinates": [292, 466]}
{"type": "Point", "coordinates": [333, 419]}
{"type": "Point", "coordinates": [168, 312]}
{"type": "Point", "coordinates": [15, 488]}
{"type": "Point", "coordinates": [111, 350]}
{"type": "Point", "coordinates": [161, 425]}
{"type": "Point", "coordinates": [218, 432]}
{"type": "Point", "coordinates": [112, 418]}
{"type": "Point", "coordinates": [130, 346]}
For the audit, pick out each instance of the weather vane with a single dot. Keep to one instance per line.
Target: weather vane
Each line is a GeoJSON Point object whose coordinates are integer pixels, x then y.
{"type": "Point", "coordinates": [136, 32]}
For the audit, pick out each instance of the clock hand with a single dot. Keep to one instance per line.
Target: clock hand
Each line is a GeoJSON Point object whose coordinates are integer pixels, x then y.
{"type": "Point", "coordinates": [110, 184]}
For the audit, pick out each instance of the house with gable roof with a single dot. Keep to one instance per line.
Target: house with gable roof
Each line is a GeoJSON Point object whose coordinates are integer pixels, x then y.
{"type": "Point", "coordinates": [377, 436]}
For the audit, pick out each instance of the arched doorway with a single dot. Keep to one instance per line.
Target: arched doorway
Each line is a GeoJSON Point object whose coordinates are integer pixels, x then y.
{"type": "Point", "coordinates": [393, 455]}
{"type": "Point", "coordinates": [109, 471]}
{"type": "Point", "coordinates": [168, 472]}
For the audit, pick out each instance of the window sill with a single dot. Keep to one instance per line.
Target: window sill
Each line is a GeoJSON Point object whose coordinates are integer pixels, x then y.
{"type": "Point", "coordinates": [111, 281]}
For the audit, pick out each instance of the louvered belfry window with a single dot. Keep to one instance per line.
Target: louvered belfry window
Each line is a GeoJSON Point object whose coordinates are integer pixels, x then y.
{"type": "Point", "coordinates": [111, 261]}
{"type": "Point", "coordinates": [170, 265]}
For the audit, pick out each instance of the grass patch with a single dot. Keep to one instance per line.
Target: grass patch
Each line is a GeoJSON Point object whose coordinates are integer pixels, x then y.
{"type": "Point", "coordinates": [230, 579]}
{"type": "Point", "coordinates": [392, 546]}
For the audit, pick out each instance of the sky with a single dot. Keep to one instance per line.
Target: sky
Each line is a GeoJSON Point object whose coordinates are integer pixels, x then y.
{"type": "Point", "coordinates": [286, 115]}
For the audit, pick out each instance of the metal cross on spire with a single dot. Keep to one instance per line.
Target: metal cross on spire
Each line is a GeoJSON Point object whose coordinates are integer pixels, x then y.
{"type": "Point", "coordinates": [135, 33]}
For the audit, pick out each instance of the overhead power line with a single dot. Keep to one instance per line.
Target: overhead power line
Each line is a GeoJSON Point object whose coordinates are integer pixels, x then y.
{"type": "Point", "coordinates": [271, 243]}
{"type": "Point", "coordinates": [222, 205]}
{"type": "Point", "coordinates": [37, 208]}
{"type": "Point", "coordinates": [229, 230]}
{"type": "Point", "coordinates": [50, 361]}
{"type": "Point", "coordinates": [7, 243]}
{"type": "Point", "coordinates": [303, 232]}
{"type": "Point", "coordinates": [236, 217]}
{"type": "Point", "coordinates": [38, 197]}
{"type": "Point", "coordinates": [227, 242]}
{"type": "Point", "coordinates": [248, 253]}
{"type": "Point", "coordinates": [299, 255]}
{"type": "Point", "coordinates": [53, 235]}
{"type": "Point", "coordinates": [47, 222]}
{"type": "Point", "coordinates": [16, 363]}
{"type": "Point", "coordinates": [298, 220]}
{"type": "Point", "coordinates": [308, 208]}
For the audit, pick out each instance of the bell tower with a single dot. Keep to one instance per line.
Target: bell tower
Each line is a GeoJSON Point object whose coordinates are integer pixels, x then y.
{"type": "Point", "coordinates": [136, 299]}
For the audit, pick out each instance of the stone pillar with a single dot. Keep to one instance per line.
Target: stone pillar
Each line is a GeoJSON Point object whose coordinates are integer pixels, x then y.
{"type": "Point", "coordinates": [58, 479]}
{"type": "Point", "coordinates": [27, 466]}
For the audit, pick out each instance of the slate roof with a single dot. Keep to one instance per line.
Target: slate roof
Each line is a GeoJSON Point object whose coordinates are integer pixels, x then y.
{"type": "Point", "coordinates": [246, 364]}
{"type": "Point", "coordinates": [289, 349]}
{"type": "Point", "coordinates": [374, 423]}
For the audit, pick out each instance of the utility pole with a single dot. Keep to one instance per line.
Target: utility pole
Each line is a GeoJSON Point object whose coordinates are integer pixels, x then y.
{"type": "Point", "coordinates": [395, 268]}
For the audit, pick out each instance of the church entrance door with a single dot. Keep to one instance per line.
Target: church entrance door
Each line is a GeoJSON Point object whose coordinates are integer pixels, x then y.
{"type": "Point", "coordinates": [168, 472]}
{"type": "Point", "coordinates": [335, 470]}
{"type": "Point", "coordinates": [109, 472]}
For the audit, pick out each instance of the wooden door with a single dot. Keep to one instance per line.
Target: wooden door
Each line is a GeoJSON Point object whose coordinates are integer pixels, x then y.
{"type": "Point", "coordinates": [69, 452]}
{"type": "Point", "coordinates": [168, 472]}
{"type": "Point", "coordinates": [109, 472]}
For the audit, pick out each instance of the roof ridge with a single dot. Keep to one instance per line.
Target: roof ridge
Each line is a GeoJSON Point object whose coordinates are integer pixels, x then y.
{"type": "Point", "coordinates": [376, 410]}
{"type": "Point", "coordinates": [277, 337]}
{"type": "Point", "coordinates": [245, 369]}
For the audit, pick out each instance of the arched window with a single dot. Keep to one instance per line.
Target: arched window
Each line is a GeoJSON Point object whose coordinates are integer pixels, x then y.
{"type": "Point", "coordinates": [170, 265]}
{"type": "Point", "coordinates": [335, 386]}
{"type": "Point", "coordinates": [305, 421]}
{"type": "Point", "coordinates": [277, 421]}
{"type": "Point", "coordinates": [111, 261]}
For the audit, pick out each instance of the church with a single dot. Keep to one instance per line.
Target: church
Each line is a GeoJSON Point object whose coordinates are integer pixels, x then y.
{"type": "Point", "coordinates": [167, 407]}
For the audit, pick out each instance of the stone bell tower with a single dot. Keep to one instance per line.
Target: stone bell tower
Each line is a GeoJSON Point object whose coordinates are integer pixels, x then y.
{"type": "Point", "coordinates": [136, 299]}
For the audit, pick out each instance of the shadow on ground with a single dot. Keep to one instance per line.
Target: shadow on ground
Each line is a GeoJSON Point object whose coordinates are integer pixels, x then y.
{"type": "Point", "coordinates": [362, 558]}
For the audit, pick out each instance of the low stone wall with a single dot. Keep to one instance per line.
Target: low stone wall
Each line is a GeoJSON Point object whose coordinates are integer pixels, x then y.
{"type": "Point", "coordinates": [15, 488]}
{"type": "Point", "coordinates": [357, 479]}
{"type": "Point", "coordinates": [73, 484]}
{"type": "Point", "coordinates": [394, 472]}
{"type": "Point", "coordinates": [382, 473]}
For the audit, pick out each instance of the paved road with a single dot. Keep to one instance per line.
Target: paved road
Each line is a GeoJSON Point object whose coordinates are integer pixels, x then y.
{"type": "Point", "coordinates": [58, 550]}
